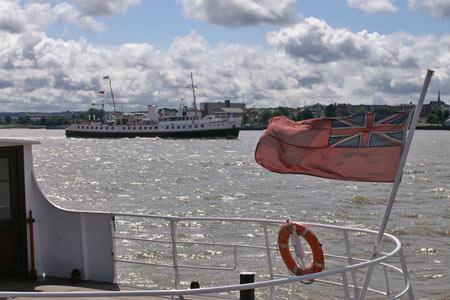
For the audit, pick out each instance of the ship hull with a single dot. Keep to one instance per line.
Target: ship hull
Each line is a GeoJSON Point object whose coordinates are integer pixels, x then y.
{"type": "Point", "coordinates": [228, 133]}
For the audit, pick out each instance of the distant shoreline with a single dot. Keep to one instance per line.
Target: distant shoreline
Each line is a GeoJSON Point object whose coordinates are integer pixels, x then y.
{"type": "Point", "coordinates": [30, 127]}
{"type": "Point", "coordinates": [433, 127]}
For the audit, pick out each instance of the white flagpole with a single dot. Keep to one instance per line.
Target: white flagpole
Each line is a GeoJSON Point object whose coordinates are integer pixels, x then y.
{"type": "Point", "coordinates": [398, 175]}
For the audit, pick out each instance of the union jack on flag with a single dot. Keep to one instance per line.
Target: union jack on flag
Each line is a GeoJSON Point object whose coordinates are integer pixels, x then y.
{"type": "Point", "coordinates": [370, 130]}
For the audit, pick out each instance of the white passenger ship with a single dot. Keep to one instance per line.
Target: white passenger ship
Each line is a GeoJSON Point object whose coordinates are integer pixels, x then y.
{"type": "Point", "coordinates": [186, 123]}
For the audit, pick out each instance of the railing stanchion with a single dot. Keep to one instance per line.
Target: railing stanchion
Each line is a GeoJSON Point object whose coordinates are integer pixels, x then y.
{"type": "Point", "coordinates": [345, 283]}
{"type": "Point", "coordinates": [173, 233]}
{"type": "Point", "coordinates": [269, 261]}
{"type": "Point", "coordinates": [388, 288]}
{"type": "Point", "coordinates": [406, 274]}
{"type": "Point", "coordinates": [366, 283]}
{"type": "Point", "coordinates": [350, 262]}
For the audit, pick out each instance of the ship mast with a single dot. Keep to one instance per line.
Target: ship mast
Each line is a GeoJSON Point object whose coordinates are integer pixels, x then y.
{"type": "Point", "coordinates": [193, 93]}
{"type": "Point", "coordinates": [112, 95]}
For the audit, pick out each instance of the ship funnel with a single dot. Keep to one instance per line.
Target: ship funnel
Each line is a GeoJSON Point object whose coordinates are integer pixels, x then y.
{"type": "Point", "coordinates": [152, 112]}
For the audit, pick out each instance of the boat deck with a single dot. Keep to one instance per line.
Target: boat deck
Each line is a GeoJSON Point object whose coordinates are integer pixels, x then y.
{"type": "Point", "coordinates": [65, 285]}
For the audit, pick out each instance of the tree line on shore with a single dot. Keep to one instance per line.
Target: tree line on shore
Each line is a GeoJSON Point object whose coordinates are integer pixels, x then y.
{"type": "Point", "coordinates": [435, 117]}
{"type": "Point", "coordinates": [54, 120]}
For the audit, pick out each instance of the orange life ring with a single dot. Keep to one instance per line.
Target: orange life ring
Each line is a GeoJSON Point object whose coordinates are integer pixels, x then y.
{"type": "Point", "coordinates": [283, 244]}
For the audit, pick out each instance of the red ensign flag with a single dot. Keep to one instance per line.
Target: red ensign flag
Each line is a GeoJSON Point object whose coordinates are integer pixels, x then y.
{"type": "Point", "coordinates": [358, 148]}
{"type": "Point", "coordinates": [101, 92]}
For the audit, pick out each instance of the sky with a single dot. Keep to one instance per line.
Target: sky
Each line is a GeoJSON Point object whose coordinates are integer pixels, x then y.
{"type": "Point", "coordinates": [55, 54]}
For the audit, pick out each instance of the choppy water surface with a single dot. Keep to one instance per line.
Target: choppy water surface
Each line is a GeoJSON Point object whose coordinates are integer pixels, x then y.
{"type": "Point", "coordinates": [220, 178]}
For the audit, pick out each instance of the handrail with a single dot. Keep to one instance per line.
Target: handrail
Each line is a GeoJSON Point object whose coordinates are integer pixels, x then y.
{"type": "Point", "coordinates": [264, 222]}
{"type": "Point", "coordinates": [354, 263]}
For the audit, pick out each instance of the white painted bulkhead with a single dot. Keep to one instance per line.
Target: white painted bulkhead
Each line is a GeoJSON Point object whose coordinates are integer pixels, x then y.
{"type": "Point", "coordinates": [65, 240]}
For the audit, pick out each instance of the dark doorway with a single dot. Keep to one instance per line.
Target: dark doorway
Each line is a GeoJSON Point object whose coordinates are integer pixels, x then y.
{"type": "Point", "coordinates": [13, 234]}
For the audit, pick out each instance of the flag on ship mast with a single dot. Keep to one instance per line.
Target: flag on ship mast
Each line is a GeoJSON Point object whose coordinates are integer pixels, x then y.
{"type": "Point", "coordinates": [358, 148]}
{"type": "Point", "coordinates": [101, 92]}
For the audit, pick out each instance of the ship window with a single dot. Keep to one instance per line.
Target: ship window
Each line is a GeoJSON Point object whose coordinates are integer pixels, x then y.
{"type": "Point", "coordinates": [134, 128]}
{"type": "Point", "coordinates": [92, 127]}
{"type": "Point", "coordinates": [196, 126]}
{"type": "Point", "coordinates": [124, 128]}
{"type": "Point", "coordinates": [184, 126]}
{"type": "Point", "coordinates": [140, 128]}
{"type": "Point", "coordinates": [167, 127]}
{"type": "Point", "coordinates": [129, 128]}
{"type": "Point", "coordinates": [101, 127]}
{"type": "Point", "coordinates": [82, 127]}
{"type": "Point", "coordinates": [190, 126]}
{"type": "Point", "coordinates": [145, 128]}
{"type": "Point", "coordinates": [178, 127]}
{"type": "Point", "coordinates": [173, 127]}
{"type": "Point", "coordinates": [202, 126]}
{"type": "Point", "coordinates": [78, 127]}
{"type": "Point", "coordinates": [96, 127]}
{"type": "Point", "coordinates": [156, 127]}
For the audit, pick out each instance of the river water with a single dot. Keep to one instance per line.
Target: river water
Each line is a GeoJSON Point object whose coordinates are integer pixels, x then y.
{"type": "Point", "coordinates": [219, 178]}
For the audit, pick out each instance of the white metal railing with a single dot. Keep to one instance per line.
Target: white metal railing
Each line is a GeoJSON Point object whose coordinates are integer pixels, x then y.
{"type": "Point", "coordinates": [353, 265]}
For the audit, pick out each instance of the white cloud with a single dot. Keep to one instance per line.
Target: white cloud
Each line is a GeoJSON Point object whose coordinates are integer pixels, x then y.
{"type": "Point", "coordinates": [67, 13]}
{"type": "Point", "coordinates": [439, 9]}
{"type": "Point", "coordinates": [315, 41]}
{"type": "Point", "coordinates": [12, 18]}
{"type": "Point", "coordinates": [236, 13]}
{"type": "Point", "coordinates": [38, 16]}
{"type": "Point", "coordinates": [43, 74]}
{"type": "Point", "coordinates": [373, 6]}
{"type": "Point", "coordinates": [105, 8]}
{"type": "Point", "coordinates": [311, 62]}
